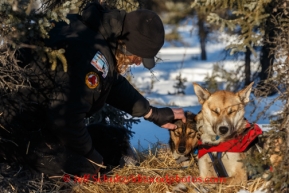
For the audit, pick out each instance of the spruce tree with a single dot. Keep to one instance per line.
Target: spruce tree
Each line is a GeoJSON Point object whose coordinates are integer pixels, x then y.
{"type": "Point", "coordinates": [180, 85]}
{"type": "Point", "coordinates": [25, 24]}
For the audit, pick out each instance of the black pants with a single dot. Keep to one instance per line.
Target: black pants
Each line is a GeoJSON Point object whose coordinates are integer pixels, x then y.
{"type": "Point", "coordinates": [44, 153]}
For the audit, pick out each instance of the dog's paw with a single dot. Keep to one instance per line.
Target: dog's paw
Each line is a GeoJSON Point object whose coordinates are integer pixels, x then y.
{"type": "Point", "coordinates": [176, 156]}
{"type": "Point", "coordinates": [182, 159]}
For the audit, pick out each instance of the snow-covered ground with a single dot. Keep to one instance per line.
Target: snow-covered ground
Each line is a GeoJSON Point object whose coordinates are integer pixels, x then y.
{"type": "Point", "coordinates": [185, 61]}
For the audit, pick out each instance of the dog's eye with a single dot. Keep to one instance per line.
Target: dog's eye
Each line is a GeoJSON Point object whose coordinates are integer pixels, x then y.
{"type": "Point", "coordinates": [177, 134]}
{"type": "Point", "coordinates": [191, 134]}
{"type": "Point", "coordinates": [215, 111]}
{"type": "Point", "coordinates": [231, 111]}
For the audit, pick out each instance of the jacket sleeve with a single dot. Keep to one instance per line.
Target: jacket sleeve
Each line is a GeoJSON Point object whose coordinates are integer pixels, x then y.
{"type": "Point", "coordinates": [125, 97]}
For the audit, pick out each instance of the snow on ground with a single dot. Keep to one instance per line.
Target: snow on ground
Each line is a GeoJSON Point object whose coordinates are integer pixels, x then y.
{"type": "Point", "coordinates": [184, 60]}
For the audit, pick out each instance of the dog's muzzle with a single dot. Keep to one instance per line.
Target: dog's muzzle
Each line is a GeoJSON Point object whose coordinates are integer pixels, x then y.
{"type": "Point", "coordinates": [182, 149]}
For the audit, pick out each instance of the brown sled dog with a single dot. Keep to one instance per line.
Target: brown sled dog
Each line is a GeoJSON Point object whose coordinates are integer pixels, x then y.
{"type": "Point", "coordinates": [226, 137]}
{"type": "Point", "coordinates": [184, 139]}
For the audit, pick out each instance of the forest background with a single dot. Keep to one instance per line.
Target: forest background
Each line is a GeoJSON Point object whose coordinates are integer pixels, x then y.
{"type": "Point", "coordinates": [258, 31]}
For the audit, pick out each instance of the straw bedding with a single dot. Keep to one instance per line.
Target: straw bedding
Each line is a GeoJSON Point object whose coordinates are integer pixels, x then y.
{"type": "Point", "coordinates": [157, 172]}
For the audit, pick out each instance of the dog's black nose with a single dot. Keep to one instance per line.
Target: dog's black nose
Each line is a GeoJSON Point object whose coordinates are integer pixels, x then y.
{"type": "Point", "coordinates": [182, 149]}
{"type": "Point", "coordinates": [223, 130]}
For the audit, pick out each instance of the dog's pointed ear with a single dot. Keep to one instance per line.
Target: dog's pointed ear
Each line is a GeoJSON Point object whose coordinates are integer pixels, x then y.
{"type": "Point", "coordinates": [244, 94]}
{"type": "Point", "coordinates": [201, 93]}
{"type": "Point", "coordinates": [190, 116]}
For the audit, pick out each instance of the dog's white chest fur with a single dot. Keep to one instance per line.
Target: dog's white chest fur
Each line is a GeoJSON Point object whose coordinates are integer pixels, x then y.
{"type": "Point", "coordinates": [231, 161]}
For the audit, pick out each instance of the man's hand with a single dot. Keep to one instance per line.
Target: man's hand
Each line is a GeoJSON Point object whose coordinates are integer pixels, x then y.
{"type": "Point", "coordinates": [164, 117]}
{"type": "Point", "coordinates": [178, 114]}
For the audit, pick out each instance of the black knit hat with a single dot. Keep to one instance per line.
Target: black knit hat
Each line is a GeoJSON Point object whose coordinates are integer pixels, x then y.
{"type": "Point", "coordinates": [143, 34]}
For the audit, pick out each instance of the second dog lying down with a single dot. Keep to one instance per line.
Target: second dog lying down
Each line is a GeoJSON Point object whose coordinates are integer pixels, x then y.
{"type": "Point", "coordinates": [184, 140]}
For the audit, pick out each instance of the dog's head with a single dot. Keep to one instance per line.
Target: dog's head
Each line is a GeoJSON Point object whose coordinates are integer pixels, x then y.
{"type": "Point", "coordinates": [184, 139]}
{"type": "Point", "coordinates": [222, 112]}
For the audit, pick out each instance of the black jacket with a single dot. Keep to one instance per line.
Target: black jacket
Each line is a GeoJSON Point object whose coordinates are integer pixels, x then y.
{"type": "Point", "coordinates": [89, 50]}
{"type": "Point", "coordinates": [91, 79]}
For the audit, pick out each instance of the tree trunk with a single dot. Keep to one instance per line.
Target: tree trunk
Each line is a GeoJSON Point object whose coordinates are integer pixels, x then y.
{"type": "Point", "coordinates": [266, 61]}
{"type": "Point", "coordinates": [285, 123]}
{"type": "Point", "coordinates": [247, 66]}
{"type": "Point", "coordinates": [267, 58]}
{"type": "Point", "coordinates": [203, 33]}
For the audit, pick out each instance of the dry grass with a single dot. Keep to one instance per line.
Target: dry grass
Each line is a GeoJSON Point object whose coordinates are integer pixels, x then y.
{"type": "Point", "coordinates": [157, 165]}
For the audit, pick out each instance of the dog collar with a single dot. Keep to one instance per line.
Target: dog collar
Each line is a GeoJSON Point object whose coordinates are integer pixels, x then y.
{"type": "Point", "coordinates": [238, 144]}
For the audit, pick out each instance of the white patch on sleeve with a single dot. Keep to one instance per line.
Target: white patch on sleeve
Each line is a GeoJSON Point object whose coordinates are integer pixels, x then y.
{"type": "Point", "coordinates": [100, 63]}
